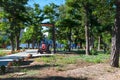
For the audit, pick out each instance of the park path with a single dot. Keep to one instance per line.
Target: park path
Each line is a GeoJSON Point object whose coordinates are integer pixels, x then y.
{"type": "Point", "coordinates": [8, 58]}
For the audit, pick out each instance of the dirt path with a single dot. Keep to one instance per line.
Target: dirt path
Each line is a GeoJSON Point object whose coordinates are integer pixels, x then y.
{"type": "Point", "coordinates": [101, 71]}
{"type": "Point", "coordinates": [92, 72]}
{"type": "Point", "coordinates": [96, 72]}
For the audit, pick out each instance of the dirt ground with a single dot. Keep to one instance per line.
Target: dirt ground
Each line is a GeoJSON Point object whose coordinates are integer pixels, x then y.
{"type": "Point", "coordinates": [80, 71]}
{"type": "Point", "coordinates": [83, 71]}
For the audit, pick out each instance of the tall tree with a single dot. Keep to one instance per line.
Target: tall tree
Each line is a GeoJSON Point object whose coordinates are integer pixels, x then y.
{"type": "Point", "coordinates": [116, 37]}
{"type": "Point", "coordinates": [83, 7]}
{"type": "Point", "coordinates": [51, 14]}
{"type": "Point", "coordinates": [34, 20]}
{"type": "Point", "coordinates": [102, 11]}
{"type": "Point", "coordinates": [14, 9]}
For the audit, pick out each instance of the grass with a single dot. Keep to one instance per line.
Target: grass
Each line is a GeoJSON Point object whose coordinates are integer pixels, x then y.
{"type": "Point", "coordinates": [65, 59]}
{"type": "Point", "coordinates": [2, 53]}
{"type": "Point", "coordinates": [62, 60]}
{"type": "Point", "coordinates": [57, 60]}
{"type": "Point", "coordinates": [100, 58]}
{"type": "Point", "coordinates": [23, 70]}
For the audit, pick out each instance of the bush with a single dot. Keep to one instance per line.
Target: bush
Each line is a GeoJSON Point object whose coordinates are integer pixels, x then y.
{"type": "Point", "coordinates": [93, 52]}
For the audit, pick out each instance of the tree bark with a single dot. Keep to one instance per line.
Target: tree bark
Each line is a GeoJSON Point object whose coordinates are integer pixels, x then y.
{"type": "Point", "coordinates": [115, 50]}
{"type": "Point", "coordinates": [17, 42]}
{"type": "Point", "coordinates": [87, 40]}
{"type": "Point", "coordinates": [99, 42]}
{"type": "Point", "coordinates": [87, 30]}
{"type": "Point", "coordinates": [70, 39]}
{"type": "Point", "coordinates": [33, 44]}
{"type": "Point", "coordinates": [91, 42]}
{"type": "Point", "coordinates": [38, 45]}
{"type": "Point", "coordinates": [12, 44]}
{"type": "Point", "coordinates": [53, 38]}
{"type": "Point", "coordinates": [28, 45]}
{"type": "Point", "coordinates": [17, 37]}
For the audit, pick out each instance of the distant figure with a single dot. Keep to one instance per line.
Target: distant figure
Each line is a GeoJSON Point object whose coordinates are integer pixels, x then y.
{"type": "Point", "coordinates": [44, 48]}
{"type": "Point", "coordinates": [48, 49]}
{"type": "Point", "coordinates": [78, 45]}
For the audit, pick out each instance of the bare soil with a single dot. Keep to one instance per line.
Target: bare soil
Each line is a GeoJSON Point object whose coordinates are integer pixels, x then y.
{"type": "Point", "coordinates": [84, 71]}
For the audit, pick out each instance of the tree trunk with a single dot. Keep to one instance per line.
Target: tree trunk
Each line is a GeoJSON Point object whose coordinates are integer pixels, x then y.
{"type": "Point", "coordinates": [38, 45]}
{"type": "Point", "coordinates": [116, 38]}
{"type": "Point", "coordinates": [28, 44]}
{"type": "Point", "coordinates": [17, 43]}
{"type": "Point", "coordinates": [12, 44]}
{"type": "Point", "coordinates": [99, 42]}
{"type": "Point", "coordinates": [17, 37]}
{"type": "Point", "coordinates": [87, 30]}
{"type": "Point", "coordinates": [33, 44]}
{"type": "Point", "coordinates": [87, 40]}
{"type": "Point", "coordinates": [53, 38]}
{"type": "Point", "coordinates": [91, 42]}
{"type": "Point", "coordinates": [69, 36]}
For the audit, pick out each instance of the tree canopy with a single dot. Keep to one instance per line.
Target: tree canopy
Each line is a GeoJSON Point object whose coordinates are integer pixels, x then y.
{"type": "Point", "coordinates": [91, 23]}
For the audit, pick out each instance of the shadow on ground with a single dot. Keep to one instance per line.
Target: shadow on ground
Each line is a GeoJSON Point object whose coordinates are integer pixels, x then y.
{"type": "Point", "coordinates": [36, 67]}
{"type": "Point", "coordinates": [27, 67]}
{"type": "Point", "coordinates": [72, 52]}
{"type": "Point", "coordinates": [46, 78]}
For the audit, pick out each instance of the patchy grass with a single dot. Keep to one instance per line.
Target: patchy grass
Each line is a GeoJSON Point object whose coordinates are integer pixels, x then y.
{"type": "Point", "coordinates": [58, 59]}
{"type": "Point", "coordinates": [61, 61]}
{"type": "Point", "coordinates": [2, 53]}
{"type": "Point", "coordinates": [66, 59]}
{"type": "Point", "coordinates": [100, 58]}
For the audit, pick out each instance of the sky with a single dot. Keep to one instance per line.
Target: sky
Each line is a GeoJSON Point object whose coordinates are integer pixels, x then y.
{"type": "Point", "coordinates": [42, 3]}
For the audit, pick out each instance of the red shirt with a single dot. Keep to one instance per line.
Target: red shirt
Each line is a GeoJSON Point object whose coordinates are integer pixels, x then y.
{"type": "Point", "coordinates": [43, 46]}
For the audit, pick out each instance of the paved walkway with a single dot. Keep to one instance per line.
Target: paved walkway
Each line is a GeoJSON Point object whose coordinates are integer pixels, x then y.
{"type": "Point", "coordinates": [5, 59]}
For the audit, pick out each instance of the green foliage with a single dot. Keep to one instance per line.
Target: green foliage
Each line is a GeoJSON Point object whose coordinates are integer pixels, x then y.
{"type": "Point", "coordinates": [100, 58]}
{"type": "Point", "coordinates": [33, 28]}
{"type": "Point", "coordinates": [24, 70]}
{"type": "Point", "coordinates": [51, 13]}
{"type": "Point", "coordinates": [14, 18]}
{"type": "Point", "coordinates": [69, 20]}
{"type": "Point", "coordinates": [94, 52]}
{"type": "Point", "coordinates": [66, 46]}
{"type": "Point", "coordinates": [27, 35]}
